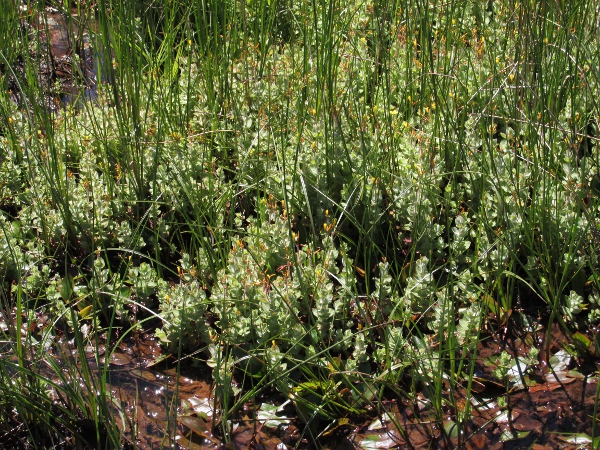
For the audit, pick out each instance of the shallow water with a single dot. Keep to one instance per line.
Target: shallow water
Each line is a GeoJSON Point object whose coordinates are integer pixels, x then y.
{"type": "Point", "coordinates": [74, 66]}
{"type": "Point", "coordinates": [170, 410]}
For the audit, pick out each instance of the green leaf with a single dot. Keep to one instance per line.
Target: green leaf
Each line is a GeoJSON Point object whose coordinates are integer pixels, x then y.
{"type": "Point", "coordinates": [67, 285]}
{"type": "Point", "coordinates": [379, 441]}
{"type": "Point", "coordinates": [268, 414]}
{"type": "Point", "coordinates": [451, 429]}
{"type": "Point", "coordinates": [575, 374]}
{"type": "Point", "coordinates": [86, 313]}
{"type": "Point", "coordinates": [507, 435]}
{"type": "Point", "coordinates": [576, 438]}
{"type": "Point", "coordinates": [124, 292]}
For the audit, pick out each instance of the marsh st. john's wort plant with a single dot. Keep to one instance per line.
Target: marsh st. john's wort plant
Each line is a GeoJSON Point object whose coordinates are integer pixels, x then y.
{"type": "Point", "coordinates": [332, 202]}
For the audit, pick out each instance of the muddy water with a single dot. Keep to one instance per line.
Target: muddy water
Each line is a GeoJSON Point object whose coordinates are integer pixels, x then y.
{"type": "Point", "coordinates": [151, 398]}
{"type": "Point", "coordinates": [165, 408]}
{"type": "Point", "coordinates": [165, 404]}
{"type": "Point", "coordinates": [69, 60]}
{"type": "Point", "coordinates": [552, 410]}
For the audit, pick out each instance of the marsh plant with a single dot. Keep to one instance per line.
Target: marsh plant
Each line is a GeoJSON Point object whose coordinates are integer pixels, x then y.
{"type": "Point", "coordinates": [330, 200]}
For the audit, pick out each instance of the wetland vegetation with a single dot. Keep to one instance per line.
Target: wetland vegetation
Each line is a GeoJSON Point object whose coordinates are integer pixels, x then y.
{"type": "Point", "coordinates": [299, 224]}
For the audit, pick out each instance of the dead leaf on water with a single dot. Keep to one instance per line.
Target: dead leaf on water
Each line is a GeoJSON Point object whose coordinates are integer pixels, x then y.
{"type": "Point", "coordinates": [199, 426]}
{"type": "Point", "coordinates": [119, 359]}
{"type": "Point", "coordinates": [145, 374]}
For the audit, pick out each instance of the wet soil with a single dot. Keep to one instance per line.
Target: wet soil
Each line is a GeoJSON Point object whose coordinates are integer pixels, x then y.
{"type": "Point", "coordinates": [540, 414]}
{"type": "Point", "coordinates": [170, 404]}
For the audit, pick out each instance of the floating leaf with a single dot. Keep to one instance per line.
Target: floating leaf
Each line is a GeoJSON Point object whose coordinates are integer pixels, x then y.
{"type": "Point", "coordinates": [485, 404]}
{"type": "Point", "coordinates": [560, 361]}
{"type": "Point", "coordinates": [451, 429]}
{"type": "Point", "coordinates": [184, 442]}
{"type": "Point", "coordinates": [202, 406]}
{"type": "Point", "coordinates": [578, 438]}
{"type": "Point", "coordinates": [382, 440]}
{"type": "Point", "coordinates": [476, 386]}
{"type": "Point", "coordinates": [268, 414]}
{"type": "Point", "coordinates": [557, 378]}
{"type": "Point", "coordinates": [502, 417]}
{"type": "Point", "coordinates": [516, 372]}
{"type": "Point", "coordinates": [380, 423]}
{"type": "Point", "coordinates": [119, 359]}
{"type": "Point", "coordinates": [199, 426]}
{"type": "Point", "coordinates": [196, 424]}
{"type": "Point", "coordinates": [575, 374]}
{"type": "Point", "coordinates": [145, 374]}
{"type": "Point", "coordinates": [508, 435]}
